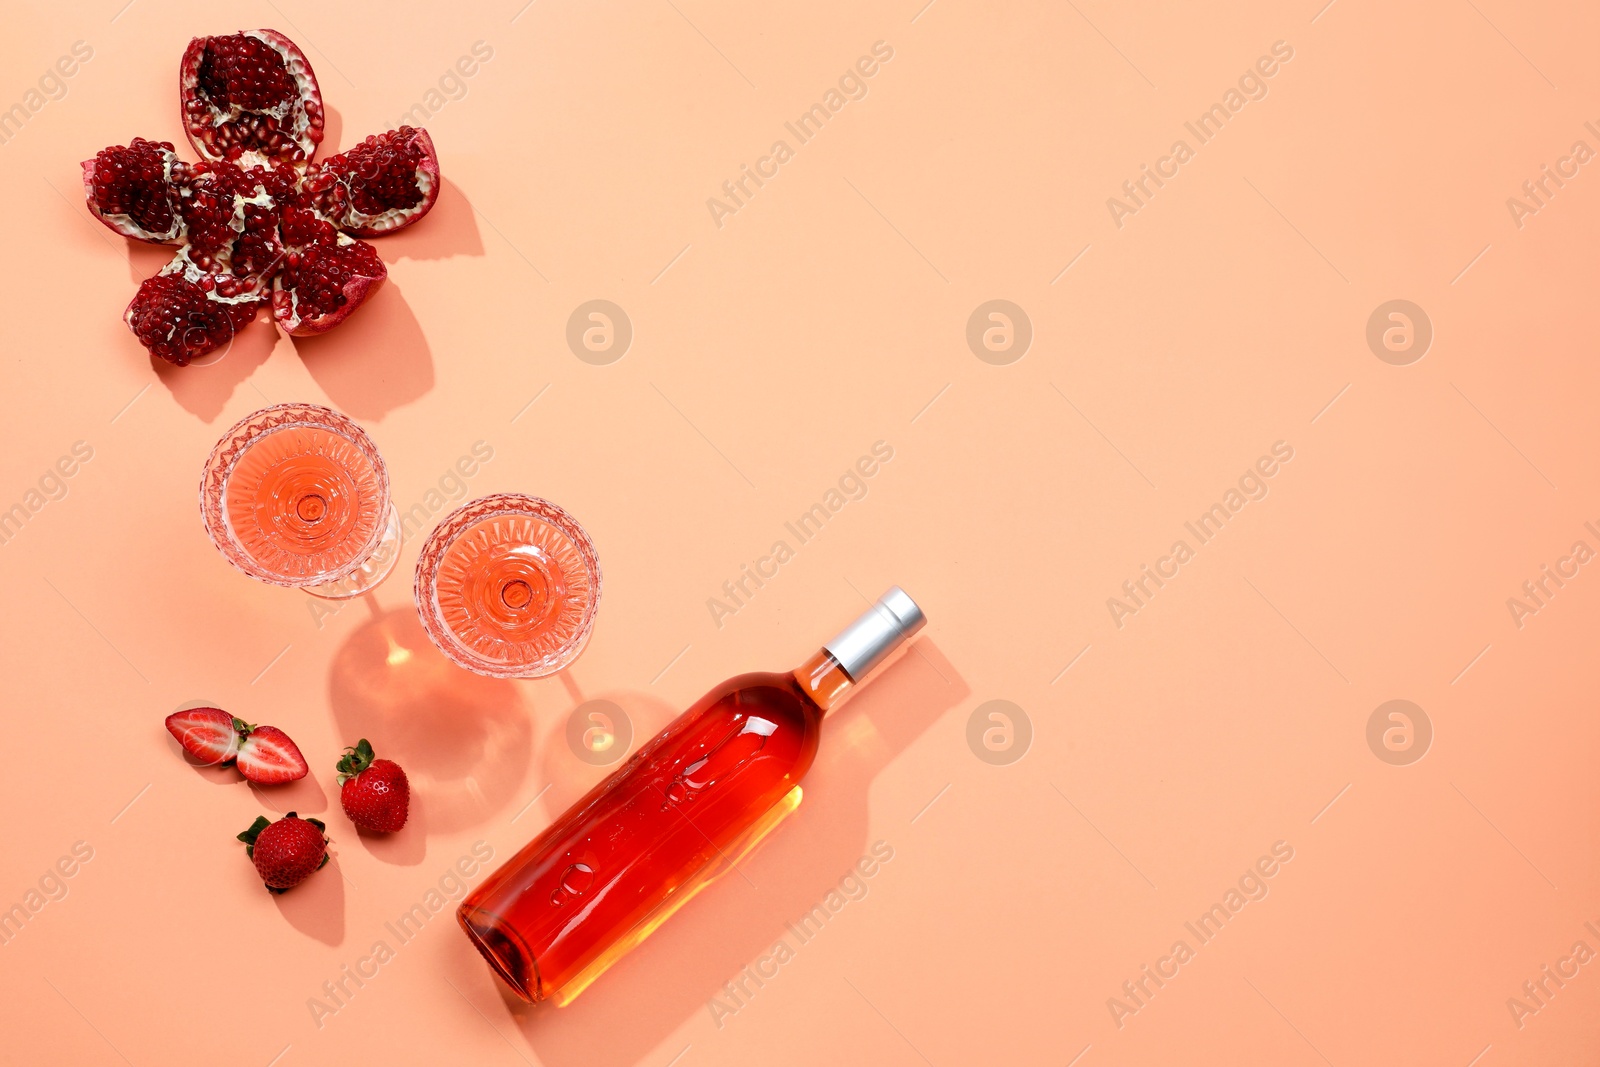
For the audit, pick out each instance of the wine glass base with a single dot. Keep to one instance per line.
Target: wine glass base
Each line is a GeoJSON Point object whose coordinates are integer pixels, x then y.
{"type": "Point", "coordinates": [369, 574]}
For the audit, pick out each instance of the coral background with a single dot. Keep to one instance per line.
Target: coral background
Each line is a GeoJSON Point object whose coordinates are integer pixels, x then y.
{"type": "Point", "coordinates": [1164, 755]}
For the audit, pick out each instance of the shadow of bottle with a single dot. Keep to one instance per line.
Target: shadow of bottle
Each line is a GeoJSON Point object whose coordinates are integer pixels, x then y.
{"type": "Point", "coordinates": [463, 739]}
{"type": "Point", "coordinates": [745, 912]}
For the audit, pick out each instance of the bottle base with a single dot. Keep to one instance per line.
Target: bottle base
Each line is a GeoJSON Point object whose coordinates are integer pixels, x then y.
{"type": "Point", "coordinates": [504, 951]}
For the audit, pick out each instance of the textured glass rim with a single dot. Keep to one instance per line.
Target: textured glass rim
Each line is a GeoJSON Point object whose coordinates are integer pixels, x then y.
{"type": "Point", "coordinates": [426, 591]}
{"type": "Point", "coordinates": [225, 456]}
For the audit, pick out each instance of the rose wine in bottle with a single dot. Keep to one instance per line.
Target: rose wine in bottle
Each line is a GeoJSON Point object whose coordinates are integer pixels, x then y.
{"type": "Point", "coordinates": [677, 814]}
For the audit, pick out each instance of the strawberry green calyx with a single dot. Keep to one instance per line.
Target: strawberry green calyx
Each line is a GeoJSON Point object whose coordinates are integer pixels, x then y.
{"type": "Point", "coordinates": [262, 822]}
{"type": "Point", "coordinates": [250, 835]}
{"type": "Point", "coordinates": [322, 828]}
{"type": "Point", "coordinates": [355, 760]}
{"type": "Point", "coordinates": [241, 727]}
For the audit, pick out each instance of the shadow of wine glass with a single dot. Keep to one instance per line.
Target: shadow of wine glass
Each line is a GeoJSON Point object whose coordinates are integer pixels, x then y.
{"type": "Point", "coordinates": [742, 915]}
{"type": "Point", "coordinates": [570, 765]}
{"type": "Point", "coordinates": [463, 739]}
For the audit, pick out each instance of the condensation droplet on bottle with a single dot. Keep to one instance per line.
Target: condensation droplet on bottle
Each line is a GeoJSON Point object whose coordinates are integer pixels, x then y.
{"type": "Point", "coordinates": [574, 881]}
{"type": "Point", "coordinates": [727, 756]}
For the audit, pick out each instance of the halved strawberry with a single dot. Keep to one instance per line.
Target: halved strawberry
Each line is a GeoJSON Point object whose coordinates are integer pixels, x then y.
{"type": "Point", "coordinates": [268, 757]}
{"type": "Point", "coordinates": [210, 735]}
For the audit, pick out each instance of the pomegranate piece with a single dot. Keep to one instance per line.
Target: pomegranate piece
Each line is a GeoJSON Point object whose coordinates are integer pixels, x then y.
{"type": "Point", "coordinates": [208, 212]}
{"type": "Point", "coordinates": [259, 249]}
{"type": "Point", "coordinates": [302, 227]}
{"type": "Point", "coordinates": [185, 312]}
{"type": "Point", "coordinates": [251, 91]}
{"type": "Point", "coordinates": [385, 183]}
{"type": "Point", "coordinates": [231, 217]}
{"type": "Point", "coordinates": [130, 189]}
{"type": "Point", "coordinates": [321, 285]}
{"type": "Point", "coordinates": [256, 219]}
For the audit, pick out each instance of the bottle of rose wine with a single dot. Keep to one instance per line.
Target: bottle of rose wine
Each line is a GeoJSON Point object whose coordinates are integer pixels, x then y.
{"type": "Point", "coordinates": [677, 814]}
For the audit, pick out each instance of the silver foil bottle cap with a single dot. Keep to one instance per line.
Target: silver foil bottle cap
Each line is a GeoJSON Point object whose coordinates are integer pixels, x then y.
{"type": "Point", "coordinates": [885, 626]}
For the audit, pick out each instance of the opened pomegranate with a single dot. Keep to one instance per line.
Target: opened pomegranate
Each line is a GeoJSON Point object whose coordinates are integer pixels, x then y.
{"type": "Point", "coordinates": [320, 285]}
{"type": "Point", "coordinates": [386, 182]}
{"type": "Point", "coordinates": [130, 190]}
{"type": "Point", "coordinates": [252, 91]}
{"type": "Point", "coordinates": [257, 221]}
{"type": "Point", "coordinates": [185, 311]}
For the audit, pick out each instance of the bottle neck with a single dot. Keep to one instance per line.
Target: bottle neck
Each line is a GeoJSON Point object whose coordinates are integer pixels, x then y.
{"type": "Point", "coordinates": [823, 680]}
{"type": "Point", "coordinates": [875, 636]}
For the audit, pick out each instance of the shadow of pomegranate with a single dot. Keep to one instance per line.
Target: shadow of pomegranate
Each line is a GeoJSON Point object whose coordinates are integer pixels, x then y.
{"type": "Point", "coordinates": [449, 229]}
{"type": "Point", "coordinates": [145, 260]}
{"type": "Point", "coordinates": [377, 359]}
{"type": "Point", "coordinates": [372, 363]}
{"type": "Point", "coordinates": [463, 739]}
{"type": "Point", "coordinates": [332, 130]}
{"type": "Point", "coordinates": [740, 917]}
{"type": "Point", "coordinates": [203, 389]}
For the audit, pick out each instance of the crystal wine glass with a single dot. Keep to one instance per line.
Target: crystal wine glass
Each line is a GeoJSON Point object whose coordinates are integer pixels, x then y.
{"type": "Point", "coordinates": [297, 495]}
{"type": "Point", "coordinates": [508, 586]}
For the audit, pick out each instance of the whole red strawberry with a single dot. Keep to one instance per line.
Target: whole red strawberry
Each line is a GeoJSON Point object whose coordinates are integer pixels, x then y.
{"type": "Point", "coordinates": [286, 852]}
{"type": "Point", "coordinates": [263, 754]}
{"type": "Point", "coordinates": [374, 792]}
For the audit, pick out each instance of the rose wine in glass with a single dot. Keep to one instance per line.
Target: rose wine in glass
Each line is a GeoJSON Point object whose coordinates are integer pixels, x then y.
{"type": "Point", "coordinates": [508, 586]}
{"type": "Point", "coordinates": [679, 813]}
{"type": "Point", "coordinates": [297, 495]}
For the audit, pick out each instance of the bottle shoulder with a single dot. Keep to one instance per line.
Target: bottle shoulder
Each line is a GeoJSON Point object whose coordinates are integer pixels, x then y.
{"type": "Point", "coordinates": [763, 702]}
{"type": "Point", "coordinates": [756, 690]}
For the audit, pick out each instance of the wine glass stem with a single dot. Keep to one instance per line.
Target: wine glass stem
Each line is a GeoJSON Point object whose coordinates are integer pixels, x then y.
{"type": "Point", "coordinates": [372, 571]}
